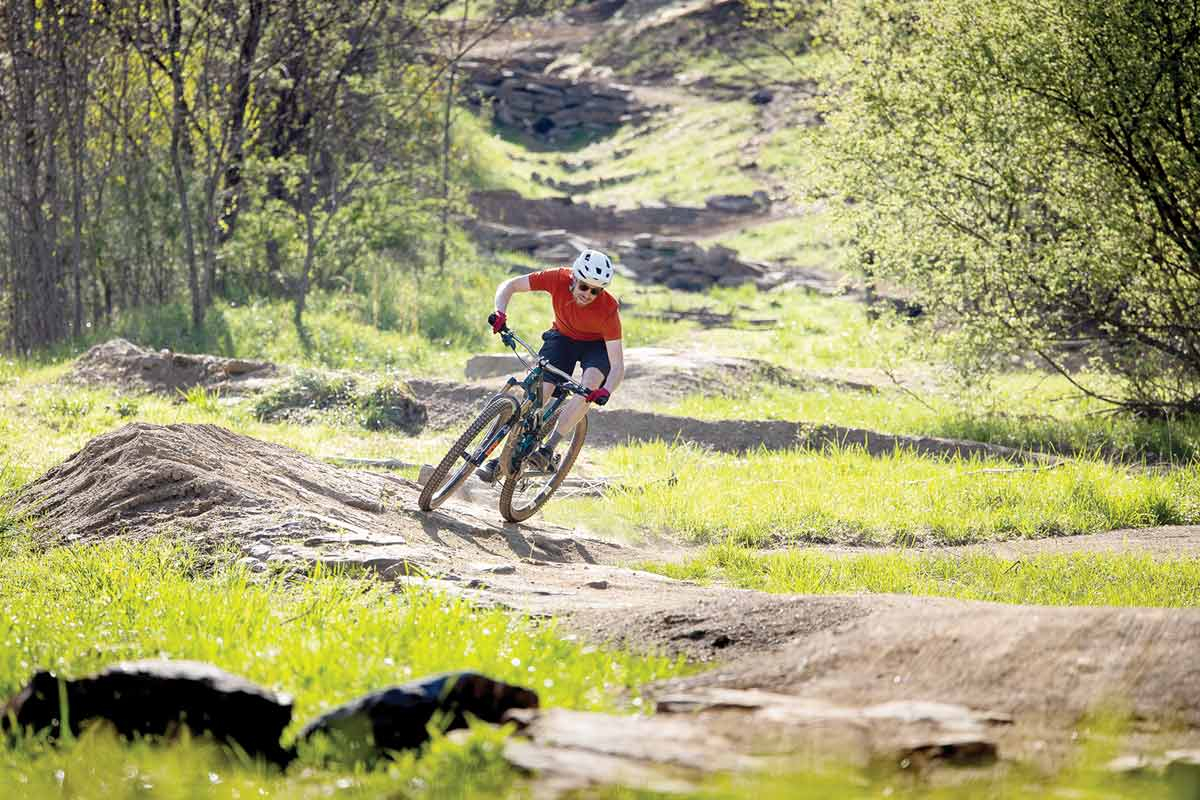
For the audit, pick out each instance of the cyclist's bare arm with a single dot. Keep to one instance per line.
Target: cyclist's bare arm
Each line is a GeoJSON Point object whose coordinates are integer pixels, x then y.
{"type": "Point", "coordinates": [506, 290]}
{"type": "Point", "coordinates": [616, 364]}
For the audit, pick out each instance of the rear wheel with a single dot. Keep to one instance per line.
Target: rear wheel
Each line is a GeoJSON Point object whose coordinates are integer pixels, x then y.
{"type": "Point", "coordinates": [468, 452]}
{"type": "Point", "coordinates": [527, 490]}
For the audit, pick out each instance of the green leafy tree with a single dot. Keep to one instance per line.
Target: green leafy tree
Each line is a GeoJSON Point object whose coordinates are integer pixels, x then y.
{"type": "Point", "coordinates": [1032, 169]}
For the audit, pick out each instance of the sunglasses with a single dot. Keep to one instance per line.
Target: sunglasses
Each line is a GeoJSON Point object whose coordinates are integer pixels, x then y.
{"type": "Point", "coordinates": [592, 290]}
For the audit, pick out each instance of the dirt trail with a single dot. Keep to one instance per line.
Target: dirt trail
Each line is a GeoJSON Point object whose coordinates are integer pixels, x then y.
{"type": "Point", "coordinates": [452, 403]}
{"type": "Point", "coordinates": [1001, 676]}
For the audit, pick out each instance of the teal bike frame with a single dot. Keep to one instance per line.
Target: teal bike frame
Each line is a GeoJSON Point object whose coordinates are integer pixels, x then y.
{"type": "Point", "coordinates": [534, 413]}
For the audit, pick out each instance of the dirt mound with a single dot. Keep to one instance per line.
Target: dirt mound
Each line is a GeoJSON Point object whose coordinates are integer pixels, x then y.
{"type": "Point", "coordinates": [210, 485]}
{"type": "Point", "coordinates": [142, 478]}
{"type": "Point", "coordinates": [118, 362]}
{"type": "Point", "coordinates": [309, 395]}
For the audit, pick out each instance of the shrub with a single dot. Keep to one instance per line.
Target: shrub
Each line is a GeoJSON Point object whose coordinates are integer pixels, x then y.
{"type": "Point", "coordinates": [391, 405]}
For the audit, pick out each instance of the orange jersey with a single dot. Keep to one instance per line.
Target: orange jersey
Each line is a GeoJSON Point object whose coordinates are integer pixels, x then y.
{"type": "Point", "coordinates": [598, 320]}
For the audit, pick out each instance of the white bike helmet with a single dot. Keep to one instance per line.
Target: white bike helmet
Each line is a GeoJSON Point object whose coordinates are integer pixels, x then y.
{"type": "Point", "coordinates": [592, 267]}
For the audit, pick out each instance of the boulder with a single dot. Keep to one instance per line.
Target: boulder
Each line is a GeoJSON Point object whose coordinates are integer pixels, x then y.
{"type": "Point", "coordinates": [156, 698]}
{"type": "Point", "coordinates": [739, 203]}
{"type": "Point", "coordinates": [525, 95]}
{"type": "Point", "coordinates": [398, 718]}
{"type": "Point", "coordinates": [762, 97]}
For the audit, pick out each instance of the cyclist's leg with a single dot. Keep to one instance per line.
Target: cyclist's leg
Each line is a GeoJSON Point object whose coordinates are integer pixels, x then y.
{"type": "Point", "coordinates": [575, 407]}
{"type": "Point", "coordinates": [559, 350]}
{"type": "Point", "coordinates": [594, 358]}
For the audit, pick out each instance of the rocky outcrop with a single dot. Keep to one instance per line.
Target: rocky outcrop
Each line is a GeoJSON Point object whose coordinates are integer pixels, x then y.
{"type": "Point", "coordinates": [154, 698]}
{"type": "Point", "coordinates": [682, 264]}
{"type": "Point", "coordinates": [609, 222]}
{"type": "Point", "coordinates": [554, 230]}
{"type": "Point", "coordinates": [399, 717]}
{"type": "Point", "coordinates": [677, 263]}
{"type": "Point", "coordinates": [554, 107]}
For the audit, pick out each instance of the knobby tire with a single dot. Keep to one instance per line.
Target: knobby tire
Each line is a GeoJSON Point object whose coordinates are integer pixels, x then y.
{"type": "Point", "coordinates": [445, 481]}
{"type": "Point", "coordinates": [513, 513]}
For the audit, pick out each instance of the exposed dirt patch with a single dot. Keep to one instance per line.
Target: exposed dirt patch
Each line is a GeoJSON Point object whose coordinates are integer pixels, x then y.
{"type": "Point", "coordinates": [1037, 664]}
{"type": "Point", "coordinates": [1169, 541]}
{"type": "Point", "coordinates": [741, 436]}
{"type": "Point", "coordinates": [659, 374]}
{"type": "Point", "coordinates": [608, 223]}
{"type": "Point", "coordinates": [723, 625]}
{"type": "Point", "coordinates": [452, 404]}
{"type": "Point", "coordinates": [118, 362]}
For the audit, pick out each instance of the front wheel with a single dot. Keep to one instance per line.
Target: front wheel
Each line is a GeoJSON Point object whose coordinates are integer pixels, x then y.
{"type": "Point", "coordinates": [469, 451]}
{"type": "Point", "coordinates": [525, 493]}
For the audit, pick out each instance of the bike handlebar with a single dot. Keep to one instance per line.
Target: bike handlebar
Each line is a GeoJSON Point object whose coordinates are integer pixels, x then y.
{"type": "Point", "coordinates": [510, 338]}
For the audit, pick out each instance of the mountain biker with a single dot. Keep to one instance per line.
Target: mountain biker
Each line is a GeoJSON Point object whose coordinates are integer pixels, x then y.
{"type": "Point", "coordinates": [586, 330]}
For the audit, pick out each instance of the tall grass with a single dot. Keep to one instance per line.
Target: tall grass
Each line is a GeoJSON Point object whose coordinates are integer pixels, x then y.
{"type": "Point", "coordinates": [1076, 579]}
{"type": "Point", "coordinates": [846, 495]}
{"type": "Point", "coordinates": [97, 766]}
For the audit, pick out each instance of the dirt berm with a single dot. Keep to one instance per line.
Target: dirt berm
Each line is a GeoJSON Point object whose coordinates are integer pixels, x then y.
{"type": "Point", "coordinates": [872, 674]}
{"type": "Point", "coordinates": [452, 405]}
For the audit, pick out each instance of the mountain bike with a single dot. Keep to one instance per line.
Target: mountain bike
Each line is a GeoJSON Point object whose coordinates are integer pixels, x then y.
{"type": "Point", "coordinates": [516, 421]}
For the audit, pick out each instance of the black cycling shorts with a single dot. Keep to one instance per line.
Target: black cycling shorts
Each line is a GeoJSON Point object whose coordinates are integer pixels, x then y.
{"type": "Point", "coordinates": [564, 353]}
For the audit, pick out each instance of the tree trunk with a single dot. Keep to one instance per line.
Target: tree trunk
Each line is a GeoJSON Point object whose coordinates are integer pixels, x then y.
{"type": "Point", "coordinates": [236, 118]}
{"type": "Point", "coordinates": [175, 35]}
{"type": "Point", "coordinates": [446, 175]}
{"type": "Point", "coordinates": [446, 143]}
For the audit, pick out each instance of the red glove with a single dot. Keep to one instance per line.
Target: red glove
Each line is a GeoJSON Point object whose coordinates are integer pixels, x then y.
{"type": "Point", "coordinates": [598, 396]}
{"type": "Point", "coordinates": [498, 319]}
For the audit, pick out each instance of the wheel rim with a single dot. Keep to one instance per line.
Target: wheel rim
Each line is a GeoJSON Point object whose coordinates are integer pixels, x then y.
{"type": "Point", "coordinates": [472, 449]}
{"type": "Point", "coordinates": [530, 491]}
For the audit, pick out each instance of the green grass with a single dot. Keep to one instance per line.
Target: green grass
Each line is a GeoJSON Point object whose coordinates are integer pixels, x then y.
{"type": "Point", "coordinates": [1078, 579]}
{"type": "Point", "coordinates": [495, 161]}
{"type": "Point", "coordinates": [1022, 410]}
{"type": "Point", "coordinates": [805, 241]}
{"type": "Point", "coordinates": [678, 157]}
{"type": "Point", "coordinates": [813, 332]}
{"type": "Point", "coordinates": [846, 495]}
{"type": "Point", "coordinates": [324, 640]}
{"type": "Point", "coordinates": [99, 766]}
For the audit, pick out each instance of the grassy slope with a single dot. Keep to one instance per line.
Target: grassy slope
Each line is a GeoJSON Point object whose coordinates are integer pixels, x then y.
{"type": "Point", "coordinates": [681, 157]}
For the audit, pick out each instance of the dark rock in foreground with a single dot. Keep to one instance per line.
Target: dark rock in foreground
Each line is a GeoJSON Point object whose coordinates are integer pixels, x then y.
{"type": "Point", "coordinates": [398, 718]}
{"type": "Point", "coordinates": [157, 698]}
